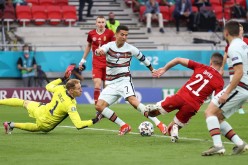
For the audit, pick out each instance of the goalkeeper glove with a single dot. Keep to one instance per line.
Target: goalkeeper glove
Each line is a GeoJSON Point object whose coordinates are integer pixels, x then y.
{"type": "Point", "coordinates": [68, 72]}
{"type": "Point", "coordinates": [99, 116]}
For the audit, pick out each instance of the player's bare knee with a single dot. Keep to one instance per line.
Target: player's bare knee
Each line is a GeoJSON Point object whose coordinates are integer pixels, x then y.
{"type": "Point", "coordinates": [220, 116]}
{"type": "Point", "coordinates": [206, 114]}
{"type": "Point", "coordinates": [99, 106]}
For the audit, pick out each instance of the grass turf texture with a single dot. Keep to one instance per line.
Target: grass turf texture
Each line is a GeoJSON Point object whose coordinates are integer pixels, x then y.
{"type": "Point", "coordinates": [67, 145]}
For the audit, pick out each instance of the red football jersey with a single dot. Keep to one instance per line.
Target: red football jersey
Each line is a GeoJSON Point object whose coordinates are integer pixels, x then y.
{"type": "Point", "coordinates": [97, 40]}
{"type": "Point", "coordinates": [204, 81]}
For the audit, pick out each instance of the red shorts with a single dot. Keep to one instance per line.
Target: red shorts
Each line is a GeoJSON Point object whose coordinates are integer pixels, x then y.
{"type": "Point", "coordinates": [174, 102]}
{"type": "Point", "coordinates": [99, 72]}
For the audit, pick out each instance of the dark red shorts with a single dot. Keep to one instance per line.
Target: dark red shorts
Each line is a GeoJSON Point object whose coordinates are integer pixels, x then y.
{"type": "Point", "coordinates": [174, 102]}
{"type": "Point", "coordinates": [99, 72]}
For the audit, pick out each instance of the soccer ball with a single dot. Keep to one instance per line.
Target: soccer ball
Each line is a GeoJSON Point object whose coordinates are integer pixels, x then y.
{"type": "Point", "coordinates": [146, 128]}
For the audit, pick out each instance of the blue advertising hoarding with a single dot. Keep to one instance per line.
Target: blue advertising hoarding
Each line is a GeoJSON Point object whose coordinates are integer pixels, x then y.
{"type": "Point", "coordinates": [57, 61]}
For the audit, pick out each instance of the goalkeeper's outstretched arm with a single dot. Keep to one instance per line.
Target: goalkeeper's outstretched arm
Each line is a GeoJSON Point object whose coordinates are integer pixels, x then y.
{"type": "Point", "coordinates": [80, 124]}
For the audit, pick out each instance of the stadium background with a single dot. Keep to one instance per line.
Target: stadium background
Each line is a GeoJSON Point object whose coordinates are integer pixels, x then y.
{"type": "Point", "coordinates": [58, 46]}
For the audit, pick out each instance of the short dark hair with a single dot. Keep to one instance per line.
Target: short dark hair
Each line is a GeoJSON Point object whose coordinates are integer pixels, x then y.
{"type": "Point", "coordinates": [217, 58]}
{"type": "Point", "coordinates": [121, 27]}
{"type": "Point", "coordinates": [232, 27]}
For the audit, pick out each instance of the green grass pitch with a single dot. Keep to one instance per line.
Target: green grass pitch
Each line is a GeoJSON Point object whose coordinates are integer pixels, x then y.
{"type": "Point", "coordinates": [100, 143]}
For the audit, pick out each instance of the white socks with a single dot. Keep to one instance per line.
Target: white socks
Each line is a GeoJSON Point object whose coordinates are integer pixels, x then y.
{"type": "Point", "coordinates": [141, 109]}
{"type": "Point", "coordinates": [108, 113]}
{"type": "Point", "coordinates": [214, 130]}
{"type": "Point", "coordinates": [225, 128]}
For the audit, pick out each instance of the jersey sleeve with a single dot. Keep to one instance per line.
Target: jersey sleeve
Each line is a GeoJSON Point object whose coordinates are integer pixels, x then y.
{"type": "Point", "coordinates": [75, 118]}
{"type": "Point", "coordinates": [89, 38]}
{"type": "Point", "coordinates": [136, 52]}
{"type": "Point", "coordinates": [192, 64]}
{"type": "Point", "coordinates": [105, 47]}
{"type": "Point", "coordinates": [142, 58]}
{"type": "Point", "coordinates": [235, 56]}
{"type": "Point", "coordinates": [53, 85]}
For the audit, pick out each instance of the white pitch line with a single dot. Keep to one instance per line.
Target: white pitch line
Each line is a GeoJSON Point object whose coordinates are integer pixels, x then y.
{"type": "Point", "coordinates": [135, 133]}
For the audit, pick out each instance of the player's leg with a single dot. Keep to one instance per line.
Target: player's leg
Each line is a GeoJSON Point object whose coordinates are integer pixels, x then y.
{"type": "Point", "coordinates": [102, 106]}
{"type": "Point", "coordinates": [9, 126]}
{"type": "Point", "coordinates": [99, 76]}
{"type": "Point", "coordinates": [97, 88]}
{"type": "Point", "coordinates": [141, 108]}
{"type": "Point", "coordinates": [12, 102]}
{"type": "Point", "coordinates": [226, 129]}
{"type": "Point", "coordinates": [213, 126]}
{"type": "Point", "coordinates": [172, 130]}
{"type": "Point", "coordinates": [126, 90]}
{"type": "Point", "coordinates": [32, 107]}
{"type": "Point", "coordinates": [32, 127]}
{"type": "Point", "coordinates": [182, 117]}
{"type": "Point", "coordinates": [106, 98]}
{"type": "Point", "coordinates": [165, 106]}
{"type": "Point", "coordinates": [228, 132]}
{"type": "Point", "coordinates": [216, 113]}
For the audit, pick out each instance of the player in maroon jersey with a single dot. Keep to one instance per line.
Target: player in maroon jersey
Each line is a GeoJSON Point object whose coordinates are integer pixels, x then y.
{"type": "Point", "coordinates": [97, 38]}
{"type": "Point", "coordinates": [227, 60]}
{"type": "Point", "coordinates": [204, 81]}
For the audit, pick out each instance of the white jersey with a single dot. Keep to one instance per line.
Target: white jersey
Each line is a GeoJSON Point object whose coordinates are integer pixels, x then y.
{"type": "Point", "coordinates": [238, 54]}
{"type": "Point", "coordinates": [119, 60]}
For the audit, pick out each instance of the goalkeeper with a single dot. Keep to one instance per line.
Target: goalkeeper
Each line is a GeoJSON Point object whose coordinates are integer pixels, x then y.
{"type": "Point", "coordinates": [48, 116]}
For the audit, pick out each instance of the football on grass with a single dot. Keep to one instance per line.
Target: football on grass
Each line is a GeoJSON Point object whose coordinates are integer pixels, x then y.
{"type": "Point", "coordinates": [146, 128]}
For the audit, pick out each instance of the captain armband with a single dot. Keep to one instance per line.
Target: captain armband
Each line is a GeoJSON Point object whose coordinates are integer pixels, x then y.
{"type": "Point", "coordinates": [145, 61]}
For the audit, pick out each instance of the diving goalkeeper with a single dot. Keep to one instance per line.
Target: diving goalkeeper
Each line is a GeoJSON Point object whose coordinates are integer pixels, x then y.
{"type": "Point", "coordinates": [48, 116]}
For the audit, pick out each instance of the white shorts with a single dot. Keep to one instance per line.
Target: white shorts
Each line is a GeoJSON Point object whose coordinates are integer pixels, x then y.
{"type": "Point", "coordinates": [235, 100]}
{"type": "Point", "coordinates": [112, 92]}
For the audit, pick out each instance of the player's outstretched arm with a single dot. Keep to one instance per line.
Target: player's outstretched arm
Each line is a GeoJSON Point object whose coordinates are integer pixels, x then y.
{"type": "Point", "coordinates": [85, 55]}
{"type": "Point", "coordinates": [158, 73]}
{"type": "Point", "coordinates": [223, 64]}
{"type": "Point", "coordinates": [51, 86]}
{"type": "Point", "coordinates": [80, 124]}
{"type": "Point", "coordinates": [238, 73]}
{"type": "Point", "coordinates": [175, 61]}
